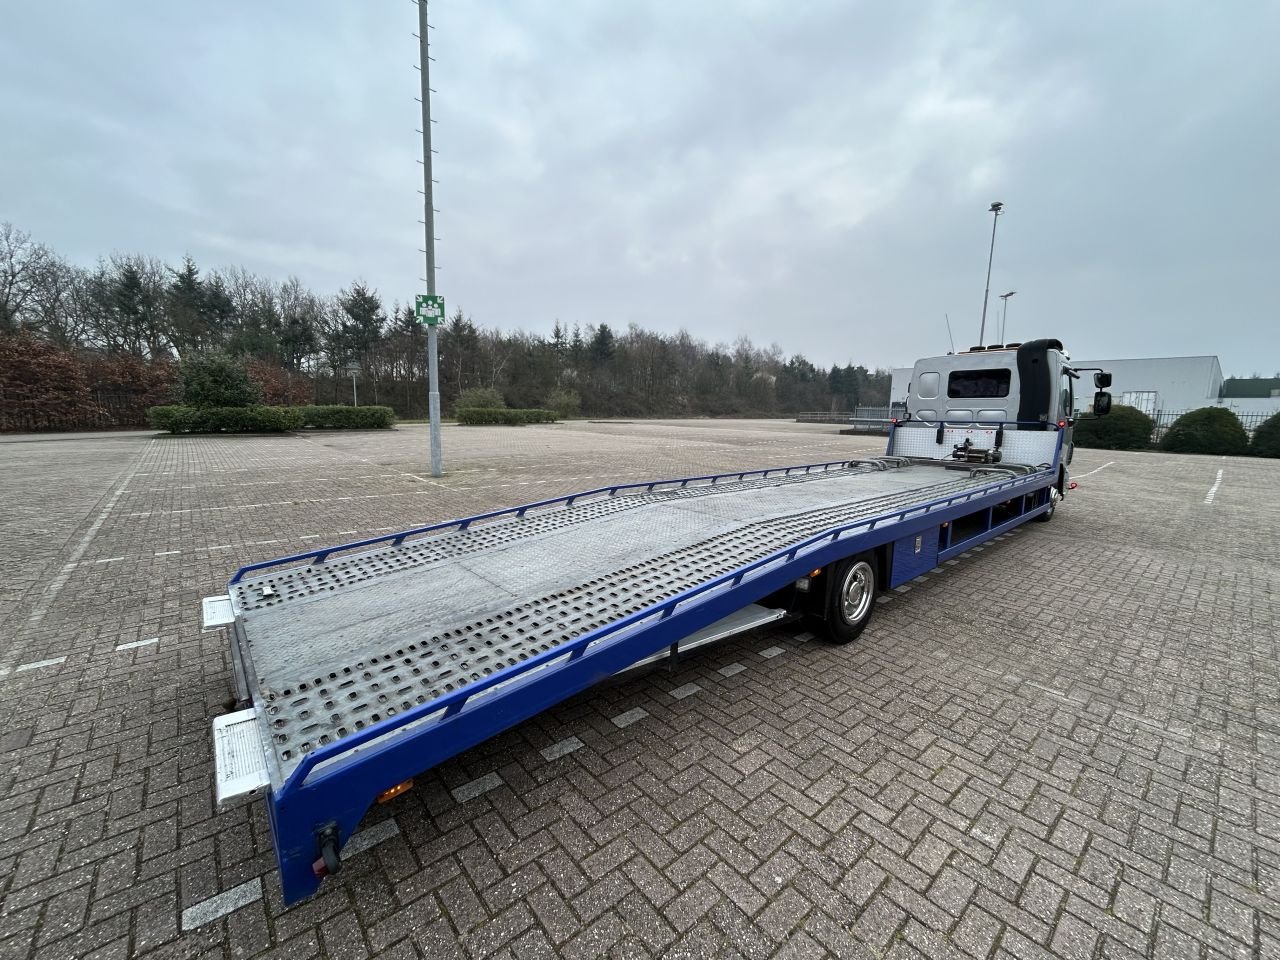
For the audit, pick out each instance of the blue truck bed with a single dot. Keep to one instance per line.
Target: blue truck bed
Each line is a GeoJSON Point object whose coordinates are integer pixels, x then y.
{"type": "Point", "coordinates": [367, 663]}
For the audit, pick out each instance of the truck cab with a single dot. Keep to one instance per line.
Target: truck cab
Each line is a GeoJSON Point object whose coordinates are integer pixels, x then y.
{"type": "Point", "coordinates": [1018, 386]}
{"type": "Point", "coordinates": [1027, 384]}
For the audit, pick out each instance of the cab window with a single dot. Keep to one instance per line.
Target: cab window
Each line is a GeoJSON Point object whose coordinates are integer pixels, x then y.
{"type": "Point", "coordinates": [978, 384]}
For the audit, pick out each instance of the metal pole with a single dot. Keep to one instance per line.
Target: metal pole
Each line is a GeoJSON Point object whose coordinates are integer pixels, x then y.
{"type": "Point", "coordinates": [354, 401]}
{"type": "Point", "coordinates": [429, 220]}
{"type": "Point", "coordinates": [995, 216]}
{"type": "Point", "coordinates": [1004, 312]}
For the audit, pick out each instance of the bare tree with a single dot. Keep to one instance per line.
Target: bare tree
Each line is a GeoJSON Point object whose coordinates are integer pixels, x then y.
{"type": "Point", "coordinates": [58, 304]}
{"type": "Point", "coordinates": [21, 260]}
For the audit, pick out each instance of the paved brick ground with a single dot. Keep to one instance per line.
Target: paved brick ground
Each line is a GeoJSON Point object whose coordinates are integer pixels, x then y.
{"type": "Point", "coordinates": [1065, 744]}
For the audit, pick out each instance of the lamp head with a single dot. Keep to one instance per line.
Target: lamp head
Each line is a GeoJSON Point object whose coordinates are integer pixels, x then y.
{"type": "Point", "coordinates": [996, 208]}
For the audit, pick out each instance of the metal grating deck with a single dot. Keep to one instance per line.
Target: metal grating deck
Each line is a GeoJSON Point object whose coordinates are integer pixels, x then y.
{"type": "Point", "coordinates": [335, 647]}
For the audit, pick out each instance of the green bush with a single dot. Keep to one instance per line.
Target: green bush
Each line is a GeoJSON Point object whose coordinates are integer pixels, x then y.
{"type": "Point", "coordinates": [1124, 428]}
{"type": "Point", "coordinates": [566, 403]}
{"type": "Point", "coordinates": [174, 419]}
{"type": "Point", "coordinates": [1266, 439]}
{"type": "Point", "coordinates": [480, 398]}
{"type": "Point", "coordinates": [1208, 430]}
{"type": "Point", "coordinates": [185, 419]}
{"type": "Point", "coordinates": [348, 418]}
{"type": "Point", "coordinates": [480, 416]}
{"type": "Point", "coordinates": [216, 381]}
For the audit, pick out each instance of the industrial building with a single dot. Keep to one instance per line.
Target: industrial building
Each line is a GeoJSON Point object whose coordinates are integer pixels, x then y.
{"type": "Point", "coordinates": [1158, 385]}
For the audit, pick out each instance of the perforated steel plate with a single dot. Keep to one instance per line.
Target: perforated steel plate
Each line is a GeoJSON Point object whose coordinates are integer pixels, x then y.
{"type": "Point", "coordinates": [334, 648]}
{"type": "Point", "coordinates": [1030, 447]}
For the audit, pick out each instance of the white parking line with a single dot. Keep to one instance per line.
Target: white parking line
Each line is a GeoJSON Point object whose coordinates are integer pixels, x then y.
{"type": "Point", "coordinates": [134, 644]}
{"type": "Point", "coordinates": [55, 586]}
{"type": "Point", "coordinates": [1213, 491]}
{"type": "Point", "coordinates": [688, 690]}
{"type": "Point", "coordinates": [561, 748]}
{"type": "Point", "coordinates": [370, 837]}
{"type": "Point", "coordinates": [206, 911]}
{"type": "Point", "coordinates": [474, 788]}
{"type": "Point", "coordinates": [1095, 470]}
{"type": "Point", "coordinates": [631, 716]}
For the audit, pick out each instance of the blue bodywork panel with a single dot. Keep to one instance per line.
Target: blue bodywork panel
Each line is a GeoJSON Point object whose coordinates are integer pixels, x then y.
{"type": "Point", "coordinates": [334, 784]}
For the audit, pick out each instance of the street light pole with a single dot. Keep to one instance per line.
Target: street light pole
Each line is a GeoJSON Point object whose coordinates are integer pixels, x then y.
{"type": "Point", "coordinates": [429, 221]}
{"type": "Point", "coordinates": [1004, 311]}
{"type": "Point", "coordinates": [996, 207]}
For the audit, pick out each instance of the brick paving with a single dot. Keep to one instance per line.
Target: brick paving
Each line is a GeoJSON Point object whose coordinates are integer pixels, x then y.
{"type": "Point", "coordinates": [1065, 744]}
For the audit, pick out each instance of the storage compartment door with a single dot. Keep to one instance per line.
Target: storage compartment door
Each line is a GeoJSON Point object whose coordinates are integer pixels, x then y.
{"type": "Point", "coordinates": [913, 556]}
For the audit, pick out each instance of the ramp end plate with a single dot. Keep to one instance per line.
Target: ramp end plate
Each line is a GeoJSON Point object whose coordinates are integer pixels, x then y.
{"type": "Point", "coordinates": [240, 762]}
{"type": "Point", "coordinates": [216, 612]}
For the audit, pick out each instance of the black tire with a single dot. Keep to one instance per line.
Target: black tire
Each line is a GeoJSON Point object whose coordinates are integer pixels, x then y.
{"type": "Point", "coordinates": [1054, 497]}
{"type": "Point", "coordinates": [851, 603]}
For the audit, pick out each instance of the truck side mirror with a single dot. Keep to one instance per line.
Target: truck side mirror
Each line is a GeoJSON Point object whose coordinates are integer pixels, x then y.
{"type": "Point", "coordinates": [1101, 403]}
{"type": "Point", "coordinates": [1102, 380]}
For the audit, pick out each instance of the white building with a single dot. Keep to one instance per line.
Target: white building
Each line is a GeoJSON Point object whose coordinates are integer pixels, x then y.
{"type": "Point", "coordinates": [1158, 384]}
{"type": "Point", "coordinates": [1152, 384]}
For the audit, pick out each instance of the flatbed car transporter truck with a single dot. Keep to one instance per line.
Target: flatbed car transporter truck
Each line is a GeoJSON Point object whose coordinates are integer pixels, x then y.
{"type": "Point", "coordinates": [358, 666]}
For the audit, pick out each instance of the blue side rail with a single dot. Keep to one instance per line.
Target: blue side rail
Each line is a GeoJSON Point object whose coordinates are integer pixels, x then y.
{"type": "Point", "coordinates": [332, 787]}
{"type": "Point", "coordinates": [395, 539]}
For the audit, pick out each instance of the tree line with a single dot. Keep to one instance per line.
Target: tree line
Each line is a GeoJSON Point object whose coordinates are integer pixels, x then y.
{"type": "Point", "coordinates": [154, 313]}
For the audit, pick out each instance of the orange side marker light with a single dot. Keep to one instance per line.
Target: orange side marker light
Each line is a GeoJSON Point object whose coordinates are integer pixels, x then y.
{"type": "Point", "coordinates": [399, 788]}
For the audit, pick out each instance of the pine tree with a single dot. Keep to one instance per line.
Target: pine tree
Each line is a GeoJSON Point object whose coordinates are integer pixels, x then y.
{"type": "Point", "coordinates": [365, 319]}
{"type": "Point", "coordinates": [602, 344]}
{"type": "Point", "coordinates": [184, 301]}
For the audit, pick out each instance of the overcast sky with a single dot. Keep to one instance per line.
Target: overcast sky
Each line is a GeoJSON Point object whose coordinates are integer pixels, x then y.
{"type": "Point", "coordinates": [812, 174]}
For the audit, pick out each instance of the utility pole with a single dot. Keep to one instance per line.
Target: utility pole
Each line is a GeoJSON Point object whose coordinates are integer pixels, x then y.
{"type": "Point", "coordinates": [1004, 312]}
{"type": "Point", "coordinates": [996, 207]}
{"type": "Point", "coordinates": [429, 221]}
{"type": "Point", "coordinates": [351, 368]}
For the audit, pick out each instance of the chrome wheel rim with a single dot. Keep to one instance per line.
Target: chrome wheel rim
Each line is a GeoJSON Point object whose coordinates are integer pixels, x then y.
{"type": "Point", "coordinates": [856, 593]}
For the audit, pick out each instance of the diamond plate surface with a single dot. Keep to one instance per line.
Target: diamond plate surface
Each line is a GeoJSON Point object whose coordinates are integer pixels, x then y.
{"type": "Point", "coordinates": [1030, 447]}
{"type": "Point", "coordinates": [388, 637]}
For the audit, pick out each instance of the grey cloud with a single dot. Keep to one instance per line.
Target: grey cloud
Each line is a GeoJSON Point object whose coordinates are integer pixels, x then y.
{"type": "Point", "coordinates": [814, 174]}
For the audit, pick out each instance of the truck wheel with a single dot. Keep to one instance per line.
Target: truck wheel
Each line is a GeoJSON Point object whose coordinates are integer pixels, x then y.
{"type": "Point", "coordinates": [853, 598]}
{"type": "Point", "coordinates": [1054, 497]}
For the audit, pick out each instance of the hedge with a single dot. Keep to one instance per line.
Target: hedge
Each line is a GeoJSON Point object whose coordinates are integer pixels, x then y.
{"type": "Point", "coordinates": [477, 416]}
{"type": "Point", "coordinates": [348, 418]}
{"type": "Point", "coordinates": [181, 419]}
{"type": "Point", "coordinates": [1215, 430]}
{"type": "Point", "coordinates": [1124, 428]}
{"type": "Point", "coordinates": [1266, 439]}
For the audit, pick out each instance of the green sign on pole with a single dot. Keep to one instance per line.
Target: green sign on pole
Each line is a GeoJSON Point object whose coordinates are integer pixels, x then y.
{"type": "Point", "coordinates": [428, 308]}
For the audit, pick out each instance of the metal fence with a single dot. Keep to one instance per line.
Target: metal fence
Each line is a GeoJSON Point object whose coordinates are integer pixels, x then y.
{"type": "Point", "coordinates": [856, 415]}
{"type": "Point", "coordinates": [1164, 419]}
